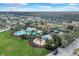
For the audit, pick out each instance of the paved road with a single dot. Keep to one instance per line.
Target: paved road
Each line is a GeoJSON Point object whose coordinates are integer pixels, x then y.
{"type": "Point", "coordinates": [68, 51]}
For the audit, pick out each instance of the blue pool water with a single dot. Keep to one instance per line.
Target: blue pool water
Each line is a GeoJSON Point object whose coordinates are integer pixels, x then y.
{"type": "Point", "coordinates": [18, 33]}
{"type": "Point", "coordinates": [28, 31]}
{"type": "Point", "coordinates": [45, 37]}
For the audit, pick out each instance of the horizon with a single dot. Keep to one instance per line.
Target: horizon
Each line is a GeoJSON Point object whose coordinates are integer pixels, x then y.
{"type": "Point", "coordinates": [39, 7]}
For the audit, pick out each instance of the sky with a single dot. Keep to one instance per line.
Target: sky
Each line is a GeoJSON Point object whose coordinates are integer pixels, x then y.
{"type": "Point", "coordinates": [39, 7]}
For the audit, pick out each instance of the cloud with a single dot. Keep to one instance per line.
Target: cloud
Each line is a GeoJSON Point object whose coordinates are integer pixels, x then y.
{"type": "Point", "coordinates": [35, 8]}
{"type": "Point", "coordinates": [51, 8]}
{"type": "Point", "coordinates": [73, 4]}
{"type": "Point", "coordinates": [23, 3]}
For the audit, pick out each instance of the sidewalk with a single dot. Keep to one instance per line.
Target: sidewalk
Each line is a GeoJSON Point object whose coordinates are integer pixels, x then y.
{"type": "Point", "coordinates": [4, 30]}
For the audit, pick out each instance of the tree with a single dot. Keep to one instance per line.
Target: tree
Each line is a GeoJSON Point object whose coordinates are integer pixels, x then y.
{"type": "Point", "coordinates": [12, 28]}
{"type": "Point", "coordinates": [67, 38]}
{"type": "Point", "coordinates": [50, 44]}
{"type": "Point", "coordinates": [70, 27]}
{"type": "Point", "coordinates": [53, 43]}
{"type": "Point", "coordinates": [28, 22]}
{"type": "Point", "coordinates": [57, 40]}
{"type": "Point", "coordinates": [17, 26]}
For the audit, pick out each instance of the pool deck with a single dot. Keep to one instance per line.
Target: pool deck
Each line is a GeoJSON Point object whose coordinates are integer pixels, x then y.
{"type": "Point", "coordinates": [38, 42]}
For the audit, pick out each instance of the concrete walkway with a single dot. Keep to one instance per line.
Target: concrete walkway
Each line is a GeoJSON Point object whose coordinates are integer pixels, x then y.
{"type": "Point", "coordinates": [68, 51]}
{"type": "Point", "coordinates": [4, 30]}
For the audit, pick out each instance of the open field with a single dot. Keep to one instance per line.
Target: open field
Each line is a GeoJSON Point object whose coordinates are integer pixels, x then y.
{"type": "Point", "coordinates": [13, 46]}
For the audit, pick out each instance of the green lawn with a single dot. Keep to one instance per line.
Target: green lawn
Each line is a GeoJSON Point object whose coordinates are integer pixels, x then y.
{"type": "Point", "coordinates": [14, 46]}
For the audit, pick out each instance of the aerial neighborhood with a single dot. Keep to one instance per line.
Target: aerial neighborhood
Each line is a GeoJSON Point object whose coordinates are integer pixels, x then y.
{"type": "Point", "coordinates": [35, 35]}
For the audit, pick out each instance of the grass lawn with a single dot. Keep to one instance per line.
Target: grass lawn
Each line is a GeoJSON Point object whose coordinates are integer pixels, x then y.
{"type": "Point", "coordinates": [14, 46]}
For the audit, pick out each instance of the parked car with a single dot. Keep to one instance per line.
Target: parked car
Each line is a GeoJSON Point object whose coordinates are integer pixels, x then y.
{"type": "Point", "coordinates": [55, 51]}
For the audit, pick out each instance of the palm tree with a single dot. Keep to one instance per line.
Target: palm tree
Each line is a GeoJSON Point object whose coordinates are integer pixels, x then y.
{"type": "Point", "coordinates": [39, 36]}
{"type": "Point", "coordinates": [49, 44]}
{"type": "Point", "coordinates": [19, 27]}
{"type": "Point", "coordinates": [12, 28]}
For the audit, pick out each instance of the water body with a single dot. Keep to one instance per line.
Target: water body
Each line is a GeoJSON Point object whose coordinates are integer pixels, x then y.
{"type": "Point", "coordinates": [27, 31]}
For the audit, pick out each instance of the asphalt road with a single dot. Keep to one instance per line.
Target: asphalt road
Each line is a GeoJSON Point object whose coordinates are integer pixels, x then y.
{"type": "Point", "coordinates": [67, 51]}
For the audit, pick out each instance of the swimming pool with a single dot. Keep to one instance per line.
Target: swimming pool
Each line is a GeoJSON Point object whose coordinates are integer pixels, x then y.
{"type": "Point", "coordinates": [27, 31]}
{"type": "Point", "coordinates": [19, 33]}
{"type": "Point", "coordinates": [46, 37]}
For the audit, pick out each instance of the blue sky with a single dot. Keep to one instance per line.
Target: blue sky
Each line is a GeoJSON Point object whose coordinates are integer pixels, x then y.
{"type": "Point", "coordinates": [37, 7]}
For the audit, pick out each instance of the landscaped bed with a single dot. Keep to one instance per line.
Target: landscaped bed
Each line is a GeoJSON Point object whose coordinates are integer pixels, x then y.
{"type": "Point", "coordinates": [15, 46]}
